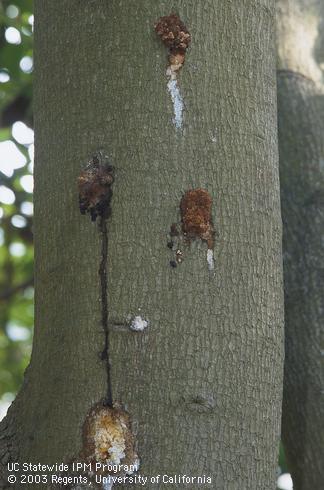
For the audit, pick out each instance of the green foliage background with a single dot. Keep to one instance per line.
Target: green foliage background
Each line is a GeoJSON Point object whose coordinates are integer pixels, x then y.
{"type": "Point", "coordinates": [16, 273]}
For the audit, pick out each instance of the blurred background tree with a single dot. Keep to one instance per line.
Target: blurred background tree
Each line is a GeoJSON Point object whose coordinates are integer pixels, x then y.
{"type": "Point", "coordinates": [16, 185]}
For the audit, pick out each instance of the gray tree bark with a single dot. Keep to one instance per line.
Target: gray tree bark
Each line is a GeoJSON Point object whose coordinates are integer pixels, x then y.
{"type": "Point", "coordinates": [203, 382]}
{"type": "Point", "coordinates": [301, 150]}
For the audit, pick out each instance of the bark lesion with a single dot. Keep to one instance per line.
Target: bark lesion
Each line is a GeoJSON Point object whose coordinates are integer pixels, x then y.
{"type": "Point", "coordinates": [95, 187]}
{"type": "Point", "coordinates": [95, 194]}
{"type": "Point", "coordinates": [196, 223]}
{"type": "Point", "coordinates": [104, 306]}
{"type": "Point", "coordinates": [195, 208]}
{"type": "Point", "coordinates": [176, 37]}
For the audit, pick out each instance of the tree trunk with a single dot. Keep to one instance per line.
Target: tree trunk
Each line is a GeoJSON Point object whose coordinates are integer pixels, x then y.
{"type": "Point", "coordinates": [301, 150]}
{"type": "Point", "coordinates": [203, 382]}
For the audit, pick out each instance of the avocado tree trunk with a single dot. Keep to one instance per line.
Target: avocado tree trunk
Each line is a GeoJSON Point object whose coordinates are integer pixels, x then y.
{"type": "Point", "coordinates": [150, 310]}
{"type": "Point", "coordinates": [301, 150]}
